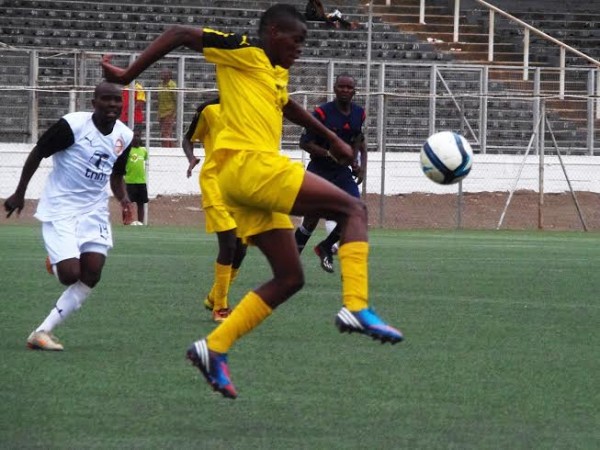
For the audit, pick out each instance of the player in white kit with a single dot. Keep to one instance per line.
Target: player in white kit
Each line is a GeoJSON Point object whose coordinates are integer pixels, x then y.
{"type": "Point", "coordinates": [88, 151]}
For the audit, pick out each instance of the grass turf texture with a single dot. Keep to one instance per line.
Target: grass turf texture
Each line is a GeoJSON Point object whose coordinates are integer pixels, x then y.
{"type": "Point", "coordinates": [501, 352]}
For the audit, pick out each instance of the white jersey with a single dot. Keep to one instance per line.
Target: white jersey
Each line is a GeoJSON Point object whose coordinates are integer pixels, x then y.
{"type": "Point", "coordinates": [81, 172]}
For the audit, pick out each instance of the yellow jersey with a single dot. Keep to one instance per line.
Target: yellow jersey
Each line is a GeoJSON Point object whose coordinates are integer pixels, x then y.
{"type": "Point", "coordinates": [252, 93]}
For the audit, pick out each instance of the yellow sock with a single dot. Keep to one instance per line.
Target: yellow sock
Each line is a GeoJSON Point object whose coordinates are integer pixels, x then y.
{"type": "Point", "coordinates": [355, 276]}
{"type": "Point", "coordinates": [234, 274]}
{"type": "Point", "coordinates": [220, 289]}
{"type": "Point", "coordinates": [247, 315]}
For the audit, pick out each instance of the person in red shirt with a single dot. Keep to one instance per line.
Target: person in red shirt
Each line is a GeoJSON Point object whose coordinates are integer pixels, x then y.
{"type": "Point", "coordinates": [138, 109]}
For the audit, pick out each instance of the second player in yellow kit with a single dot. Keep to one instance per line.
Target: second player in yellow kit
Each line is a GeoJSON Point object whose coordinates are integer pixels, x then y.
{"type": "Point", "coordinates": [204, 127]}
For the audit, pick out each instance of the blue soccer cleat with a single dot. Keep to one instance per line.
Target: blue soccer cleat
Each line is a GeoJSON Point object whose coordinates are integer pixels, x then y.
{"type": "Point", "coordinates": [367, 322]}
{"type": "Point", "coordinates": [213, 366]}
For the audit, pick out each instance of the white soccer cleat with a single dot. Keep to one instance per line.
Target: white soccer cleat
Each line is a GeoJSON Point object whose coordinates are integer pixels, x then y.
{"type": "Point", "coordinates": [42, 340]}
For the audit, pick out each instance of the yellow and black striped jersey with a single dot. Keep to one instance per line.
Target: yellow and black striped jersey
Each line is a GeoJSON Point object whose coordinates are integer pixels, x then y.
{"type": "Point", "coordinates": [252, 92]}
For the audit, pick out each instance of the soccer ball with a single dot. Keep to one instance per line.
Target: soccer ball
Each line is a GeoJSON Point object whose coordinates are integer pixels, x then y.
{"type": "Point", "coordinates": [446, 157]}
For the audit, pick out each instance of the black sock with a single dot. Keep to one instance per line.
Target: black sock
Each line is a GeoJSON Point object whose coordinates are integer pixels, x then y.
{"type": "Point", "coordinates": [332, 238]}
{"type": "Point", "coordinates": [302, 236]}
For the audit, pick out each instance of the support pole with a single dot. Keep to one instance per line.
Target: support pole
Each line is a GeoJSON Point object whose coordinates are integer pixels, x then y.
{"type": "Point", "coordinates": [562, 165]}
{"type": "Point", "coordinates": [541, 152]}
{"type": "Point", "coordinates": [518, 177]}
{"type": "Point", "coordinates": [147, 145]}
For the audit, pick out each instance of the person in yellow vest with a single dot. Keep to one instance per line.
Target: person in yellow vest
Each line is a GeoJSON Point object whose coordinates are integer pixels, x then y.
{"type": "Point", "coordinates": [135, 176]}
{"type": "Point", "coordinates": [167, 107]}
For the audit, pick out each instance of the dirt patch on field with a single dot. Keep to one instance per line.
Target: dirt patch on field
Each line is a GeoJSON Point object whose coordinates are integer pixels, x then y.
{"type": "Point", "coordinates": [414, 211]}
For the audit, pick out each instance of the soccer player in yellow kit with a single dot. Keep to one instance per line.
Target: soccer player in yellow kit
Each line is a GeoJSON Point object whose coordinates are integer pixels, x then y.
{"type": "Point", "coordinates": [262, 187]}
{"type": "Point", "coordinates": [204, 128]}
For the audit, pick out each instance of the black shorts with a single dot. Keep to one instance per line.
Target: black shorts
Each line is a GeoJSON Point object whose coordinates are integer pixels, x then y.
{"type": "Point", "coordinates": [137, 193]}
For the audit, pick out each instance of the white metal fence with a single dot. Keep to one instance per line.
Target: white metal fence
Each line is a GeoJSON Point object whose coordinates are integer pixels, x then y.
{"type": "Point", "coordinates": [493, 107]}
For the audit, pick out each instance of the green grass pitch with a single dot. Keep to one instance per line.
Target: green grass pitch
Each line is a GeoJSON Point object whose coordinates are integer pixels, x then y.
{"type": "Point", "coordinates": [501, 351]}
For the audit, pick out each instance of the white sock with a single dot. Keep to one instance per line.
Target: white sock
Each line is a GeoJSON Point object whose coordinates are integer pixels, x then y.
{"type": "Point", "coordinates": [330, 226]}
{"type": "Point", "coordinates": [70, 300]}
{"type": "Point", "coordinates": [304, 231]}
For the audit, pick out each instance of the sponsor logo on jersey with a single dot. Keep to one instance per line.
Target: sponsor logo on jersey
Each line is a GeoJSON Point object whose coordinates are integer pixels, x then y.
{"type": "Point", "coordinates": [119, 146]}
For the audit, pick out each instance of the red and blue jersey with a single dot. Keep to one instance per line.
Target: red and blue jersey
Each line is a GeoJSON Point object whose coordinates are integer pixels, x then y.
{"type": "Point", "coordinates": [347, 127]}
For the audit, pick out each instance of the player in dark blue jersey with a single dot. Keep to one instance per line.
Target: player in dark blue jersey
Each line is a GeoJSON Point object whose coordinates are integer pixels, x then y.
{"type": "Point", "coordinates": [346, 119]}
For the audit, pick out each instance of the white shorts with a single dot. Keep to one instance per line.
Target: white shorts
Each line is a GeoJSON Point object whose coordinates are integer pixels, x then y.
{"type": "Point", "coordinates": [70, 237]}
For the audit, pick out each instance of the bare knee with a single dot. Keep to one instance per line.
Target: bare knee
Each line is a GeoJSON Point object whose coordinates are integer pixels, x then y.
{"type": "Point", "coordinates": [68, 271]}
{"type": "Point", "coordinates": [360, 208]}
{"type": "Point", "coordinates": [68, 278]}
{"type": "Point", "coordinates": [91, 277]}
{"type": "Point", "coordinates": [356, 209]}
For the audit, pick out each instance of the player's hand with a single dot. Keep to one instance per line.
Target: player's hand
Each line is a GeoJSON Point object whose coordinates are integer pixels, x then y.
{"type": "Point", "coordinates": [341, 152]}
{"type": "Point", "coordinates": [127, 212]}
{"type": "Point", "coordinates": [14, 203]}
{"type": "Point", "coordinates": [112, 73]}
{"type": "Point", "coordinates": [193, 163]}
{"type": "Point", "coordinates": [358, 172]}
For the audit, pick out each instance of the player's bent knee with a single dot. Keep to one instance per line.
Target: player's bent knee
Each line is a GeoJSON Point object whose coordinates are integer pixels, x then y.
{"type": "Point", "coordinates": [68, 278]}
{"type": "Point", "coordinates": [91, 278]}
{"type": "Point", "coordinates": [358, 208]}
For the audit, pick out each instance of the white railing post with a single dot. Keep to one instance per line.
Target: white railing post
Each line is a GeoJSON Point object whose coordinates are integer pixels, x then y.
{"type": "Point", "coordinates": [72, 100]}
{"type": "Point", "coordinates": [432, 98]}
{"type": "Point", "coordinates": [456, 19]}
{"type": "Point", "coordinates": [483, 123]}
{"type": "Point", "coordinates": [422, 12]}
{"type": "Point", "coordinates": [34, 69]}
{"type": "Point", "coordinates": [561, 87]}
{"type": "Point", "coordinates": [526, 55]}
{"type": "Point", "coordinates": [597, 93]}
{"type": "Point", "coordinates": [590, 111]}
{"type": "Point", "coordinates": [537, 97]}
{"type": "Point", "coordinates": [491, 37]}
{"type": "Point", "coordinates": [179, 114]}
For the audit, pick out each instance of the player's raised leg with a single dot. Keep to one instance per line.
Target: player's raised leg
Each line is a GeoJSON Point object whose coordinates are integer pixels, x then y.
{"type": "Point", "coordinates": [318, 196]}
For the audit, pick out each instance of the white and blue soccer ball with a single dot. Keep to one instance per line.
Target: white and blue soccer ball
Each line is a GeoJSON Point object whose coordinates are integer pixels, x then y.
{"type": "Point", "coordinates": [446, 157]}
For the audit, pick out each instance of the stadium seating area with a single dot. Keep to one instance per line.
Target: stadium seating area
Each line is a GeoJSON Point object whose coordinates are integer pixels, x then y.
{"type": "Point", "coordinates": [398, 37]}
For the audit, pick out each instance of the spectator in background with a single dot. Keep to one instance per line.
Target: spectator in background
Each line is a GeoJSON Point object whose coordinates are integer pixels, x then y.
{"type": "Point", "coordinates": [167, 103]}
{"type": "Point", "coordinates": [135, 176]}
{"type": "Point", "coordinates": [315, 10]}
{"type": "Point", "coordinates": [138, 109]}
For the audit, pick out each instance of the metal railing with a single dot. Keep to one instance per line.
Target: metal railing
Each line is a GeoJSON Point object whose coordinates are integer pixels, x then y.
{"type": "Point", "coordinates": [527, 29]}
{"type": "Point", "coordinates": [430, 97]}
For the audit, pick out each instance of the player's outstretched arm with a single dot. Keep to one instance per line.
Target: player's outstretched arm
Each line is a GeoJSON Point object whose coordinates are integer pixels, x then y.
{"type": "Point", "coordinates": [188, 149]}
{"type": "Point", "coordinates": [341, 151]}
{"type": "Point", "coordinates": [174, 37]}
{"type": "Point", "coordinates": [119, 190]}
{"type": "Point", "coordinates": [16, 201]}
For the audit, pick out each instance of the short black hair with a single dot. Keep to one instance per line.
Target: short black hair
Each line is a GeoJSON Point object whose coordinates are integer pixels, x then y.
{"type": "Point", "coordinates": [278, 13]}
{"type": "Point", "coordinates": [345, 75]}
{"type": "Point", "coordinates": [106, 86]}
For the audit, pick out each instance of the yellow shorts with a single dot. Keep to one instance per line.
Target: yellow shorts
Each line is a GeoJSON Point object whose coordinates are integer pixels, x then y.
{"type": "Point", "coordinates": [218, 219]}
{"type": "Point", "coordinates": [259, 189]}
{"type": "Point", "coordinates": [209, 187]}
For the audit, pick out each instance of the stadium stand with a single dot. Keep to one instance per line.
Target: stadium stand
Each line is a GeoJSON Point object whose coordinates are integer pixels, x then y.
{"type": "Point", "coordinates": [127, 27]}
{"type": "Point", "coordinates": [577, 28]}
